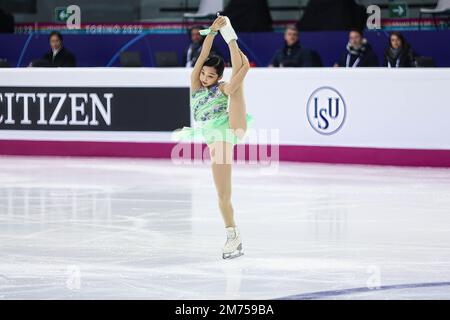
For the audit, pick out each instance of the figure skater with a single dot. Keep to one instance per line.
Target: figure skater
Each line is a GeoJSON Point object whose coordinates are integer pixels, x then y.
{"type": "Point", "coordinates": [220, 125]}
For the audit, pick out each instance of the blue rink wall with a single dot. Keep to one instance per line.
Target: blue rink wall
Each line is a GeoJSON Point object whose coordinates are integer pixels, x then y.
{"type": "Point", "coordinates": [103, 50]}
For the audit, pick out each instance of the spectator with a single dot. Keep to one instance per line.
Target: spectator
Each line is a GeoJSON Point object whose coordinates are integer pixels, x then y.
{"type": "Point", "coordinates": [292, 54]}
{"type": "Point", "coordinates": [192, 52]}
{"type": "Point", "coordinates": [317, 60]}
{"type": "Point", "coordinates": [359, 53]}
{"type": "Point", "coordinates": [398, 54]}
{"type": "Point", "coordinates": [58, 56]}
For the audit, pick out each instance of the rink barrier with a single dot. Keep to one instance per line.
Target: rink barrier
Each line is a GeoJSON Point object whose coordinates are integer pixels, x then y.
{"type": "Point", "coordinates": [319, 154]}
{"type": "Point", "coordinates": [357, 115]}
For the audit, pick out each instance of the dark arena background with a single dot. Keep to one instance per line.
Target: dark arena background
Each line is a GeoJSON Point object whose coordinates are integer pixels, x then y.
{"type": "Point", "coordinates": [340, 186]}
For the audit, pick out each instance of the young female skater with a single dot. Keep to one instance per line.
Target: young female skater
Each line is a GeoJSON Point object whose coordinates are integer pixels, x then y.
{"type": "Point", "coordinates": [221, 128]}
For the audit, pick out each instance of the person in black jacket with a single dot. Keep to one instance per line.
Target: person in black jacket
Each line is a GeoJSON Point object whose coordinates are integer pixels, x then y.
{"type": "Point", "coordinates": [399, 54]}
{"type": "Point", "coordinates": [292, 54]}
{"type": "Point", "coordinates": [58, 56]}
{"type": "Point", "coordinates": [359, 53]}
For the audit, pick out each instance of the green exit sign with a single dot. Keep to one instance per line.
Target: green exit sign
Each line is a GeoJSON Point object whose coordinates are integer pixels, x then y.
{"type": "Point", "coordinates": [61, 14]}
{"type": "Point", "coordinates": [398, 10]}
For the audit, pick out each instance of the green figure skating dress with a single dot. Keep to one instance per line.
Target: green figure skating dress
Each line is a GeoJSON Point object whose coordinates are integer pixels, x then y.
{"type": "Point", "coordinates": [210, 110]}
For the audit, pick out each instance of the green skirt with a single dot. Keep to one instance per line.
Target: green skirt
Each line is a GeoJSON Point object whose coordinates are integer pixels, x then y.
{"type": "Point", "coordinates": [209, 131]}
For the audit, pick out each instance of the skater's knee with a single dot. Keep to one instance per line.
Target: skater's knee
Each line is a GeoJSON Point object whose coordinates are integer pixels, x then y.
{"type": "Point", "coordinates": [222, 158]}
{"type": "Point", "coordinates": [221, 153]}
{"type": "Point", "coordinates": [224, 197]}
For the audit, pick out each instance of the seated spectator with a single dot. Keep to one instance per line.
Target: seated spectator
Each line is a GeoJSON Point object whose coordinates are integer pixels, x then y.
{"type": "Point", "coordinates": [292, 54]}
{"type": "Point", "coordinates": [192, 52]}
{"type": "Point", "coordinates": [58, 56]}
{"type": "Point", "coordinates": [317, 60]}
{"type": "Point", "coordinates": [399, 53]}
{"type": "Point", "coordinates": [359, 53]}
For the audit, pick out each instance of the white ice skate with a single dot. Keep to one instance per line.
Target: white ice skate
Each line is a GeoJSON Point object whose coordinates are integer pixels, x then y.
{"type": "Point", "coordinates": [227, 31]}
{"type": "Point", "coordinates": [233, 246]}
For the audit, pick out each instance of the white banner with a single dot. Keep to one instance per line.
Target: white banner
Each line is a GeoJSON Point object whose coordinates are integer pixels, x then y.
{"type": "Point", "coordinates": [373, 107]}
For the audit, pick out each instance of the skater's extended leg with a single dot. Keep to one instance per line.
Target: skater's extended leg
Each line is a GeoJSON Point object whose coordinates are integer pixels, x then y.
{"type": "Point", "coordinates": [237, 113]}
{"type": "Point", "coordinates": [236, 57]}
{"type": "Point", "coordinates": [239, 64]}
{"type": "Point", "coordinates": [237, 109]}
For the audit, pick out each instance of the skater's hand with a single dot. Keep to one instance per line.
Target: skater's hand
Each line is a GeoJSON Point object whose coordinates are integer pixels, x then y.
{"type": "Point", "coordinates": [218, 23]}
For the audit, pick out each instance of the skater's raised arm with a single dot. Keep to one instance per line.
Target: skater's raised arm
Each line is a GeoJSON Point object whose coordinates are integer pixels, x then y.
{"type": "Point", "coordinates": [238, 78]}
{"type": "Point", "coordinates": [206, 49]}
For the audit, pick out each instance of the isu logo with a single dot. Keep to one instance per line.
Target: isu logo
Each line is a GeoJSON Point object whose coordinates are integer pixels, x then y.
{"type": "Point", "coordinates": [326, 110]}
{"type": "Point", "coordinates": [47, 109]}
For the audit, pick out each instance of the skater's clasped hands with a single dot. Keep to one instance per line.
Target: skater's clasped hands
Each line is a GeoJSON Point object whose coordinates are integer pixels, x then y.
{"type": "Point", "coordinates": [218, 23]}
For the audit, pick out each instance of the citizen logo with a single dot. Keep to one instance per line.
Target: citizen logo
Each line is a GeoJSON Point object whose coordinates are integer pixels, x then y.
{"type": "Point", "coordinates": [48, 109]}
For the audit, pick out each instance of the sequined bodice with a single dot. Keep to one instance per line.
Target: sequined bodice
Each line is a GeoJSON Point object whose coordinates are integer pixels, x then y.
{"type": "Point", "coordinates": [207, 104]}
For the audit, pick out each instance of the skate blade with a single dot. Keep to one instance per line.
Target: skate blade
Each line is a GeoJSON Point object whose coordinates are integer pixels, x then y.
{"type": "Point", "coordinates": [232, 255]}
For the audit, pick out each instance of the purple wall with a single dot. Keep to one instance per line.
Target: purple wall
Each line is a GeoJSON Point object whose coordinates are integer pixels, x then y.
{"type": "Point", "coordinates": [100, 50]}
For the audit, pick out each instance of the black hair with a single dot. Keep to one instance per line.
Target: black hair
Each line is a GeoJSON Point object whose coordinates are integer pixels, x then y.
{"type": "Point", "coordinates": [216, 62]}
{"type": "Point", "coordinates": [361, 33]}
{"type": "Point", "coordinates": [56, 33]}
{"type": "Point", "coordinates": [398, 35]}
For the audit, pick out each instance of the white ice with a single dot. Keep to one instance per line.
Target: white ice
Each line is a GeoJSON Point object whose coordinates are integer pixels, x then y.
{"type": "Point", "coordinates": [93, 228]}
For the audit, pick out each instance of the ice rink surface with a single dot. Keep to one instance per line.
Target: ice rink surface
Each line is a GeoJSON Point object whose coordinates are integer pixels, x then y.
{"type": "Point", "coordinates": [92, 228]}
